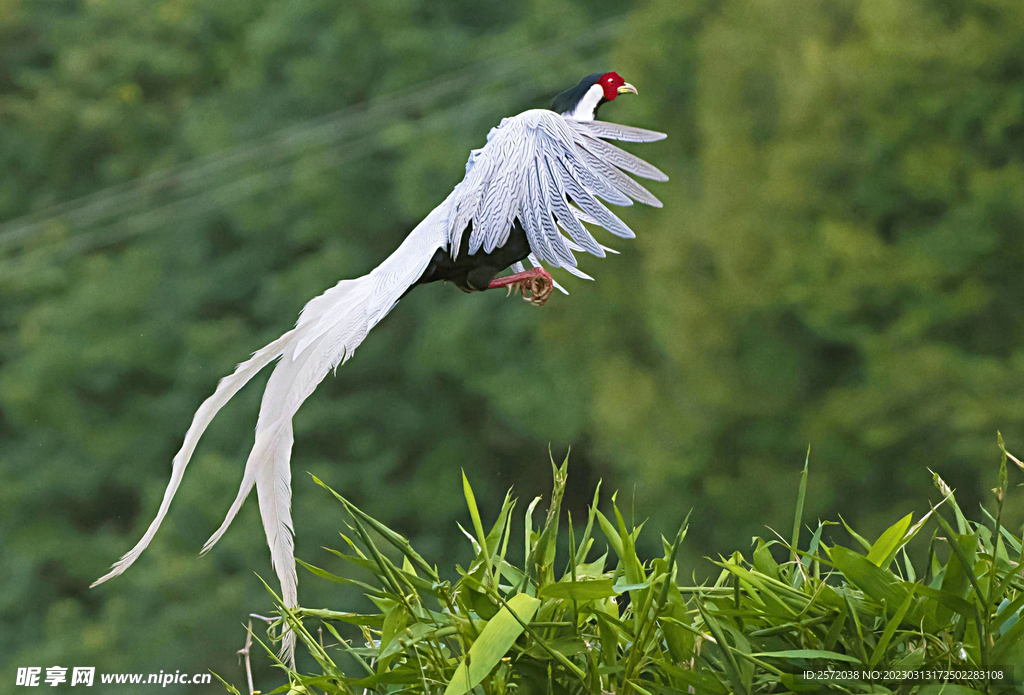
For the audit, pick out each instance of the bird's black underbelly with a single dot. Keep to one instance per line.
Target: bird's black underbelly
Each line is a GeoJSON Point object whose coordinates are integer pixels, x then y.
{"type": "Point", "coordinates": [474, 272]}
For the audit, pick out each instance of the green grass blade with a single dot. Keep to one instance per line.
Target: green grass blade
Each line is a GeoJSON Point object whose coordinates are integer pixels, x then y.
{"type": "Point", "coordinates": [799, 515]}
{"type": "Point", "coordinates": [400, 542]}
{"type": "Point", "coordinates": [478, 526]}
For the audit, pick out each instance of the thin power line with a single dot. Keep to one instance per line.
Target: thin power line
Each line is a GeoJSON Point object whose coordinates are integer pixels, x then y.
{"type": "Point", "coordinates": [241, 189]}
{"type": "Point", "coordinates": [283, 144]}
{"type": "Point", "coordinates": [151, 220]}
{"type": "Point", "coordinates": [275, 149]}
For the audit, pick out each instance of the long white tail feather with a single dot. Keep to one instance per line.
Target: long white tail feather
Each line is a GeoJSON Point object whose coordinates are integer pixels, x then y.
{"type": "Point", "coordinates": [328, 331]}
{"type": "Point", "coordinates": [274, 491]}
{"type": "Point", "coordinates": [265, 440]}
{"type": "Point", "coordinates": [227, 388]}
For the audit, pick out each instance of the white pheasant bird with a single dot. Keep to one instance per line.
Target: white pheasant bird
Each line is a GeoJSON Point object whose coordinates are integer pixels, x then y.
{"type": "Point", "coordinates": [526, 196]}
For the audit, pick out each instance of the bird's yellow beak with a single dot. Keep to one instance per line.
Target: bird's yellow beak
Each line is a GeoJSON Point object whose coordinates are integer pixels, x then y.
{"type": "Point", "coordinates": [627, 89]}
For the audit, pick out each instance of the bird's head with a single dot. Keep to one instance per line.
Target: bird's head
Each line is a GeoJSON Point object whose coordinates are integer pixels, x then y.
{"type": "Point", "coordinates": [583, 100]}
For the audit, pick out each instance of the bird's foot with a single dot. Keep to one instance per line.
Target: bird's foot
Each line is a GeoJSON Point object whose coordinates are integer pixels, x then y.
{"type": "Point", "coordinates": [534, 285]}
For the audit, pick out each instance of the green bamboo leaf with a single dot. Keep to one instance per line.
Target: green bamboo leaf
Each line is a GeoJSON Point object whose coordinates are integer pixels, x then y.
{"type": "Point", "coordinates": [583, 590]}
{"type": "Point", "coordinates": [832, 636]}
{"type": "Point", "coordinates": [797, 518]}
{"type": "Point", "coordinates": [610, 533]}
{"type": "Point", "coordinates": [1008, 613]}
{"type": "Point", "coordinates": [1009, 648]}
{"type": "Point", "coordinates": [478, 526]}
{"type": "Point", "coordinates": [609, 632]}
{"type": "Point", "coordinates": [1002, 480]}
{"type": "Point", "coordinates": [622, 586]}
{"type": "Point", "coordinates": [498, 531]}
{"type": "Point", "coordinates": [764, 562]}
{"type": "Point", "coordinates": [636, 687]}
{"type": "Point", "coordinates": [868, 577]}
{"type": "Point", "coordinates": [474, 513]}
{"type": "Point", "coordinates": [367, 619]}
{"type": "Point", "coordinates": [878, 584]}
{"type": "Point", "coordinates": [767, 589]}
{"type": "Point", "coordinates": [587, 538]}
{"type": "Point", "coordinates": [416, 633]}
{"type": "Point", "coordinates": [944, 598]}
{"type": "Point", "coordinates": [911, 572]}
{"type": "Point", "coordinates": [861, 540]}
{"type": "Point", "coordinates": [959, 576]}
{"type": "Point", "coordinates": [529, 540]}
{"type": "Point", "coordinates": [702, 682]}
{"type": "Point", "coordinates": [399, 541]}
{"type": "Point", "coordinates": [680, 640]}
{"type": "Point", "coordinates": [812, 549]}
{"type": "Point", "coordinates": [566, 646]}
{"type": "Point", "coordinates": [884, 549]}
{"type": "Point", "coordinates": [324, 574]}
{"type": "Point", "coordinates": [497, 637]}
{"type": "Point", "coordinates": [890, 629]}
{"type": "Point", "coordinates": [483, 606]}
{"type": "Point", "coordinates": [395, 621]}
{"type": "Point", "coordinates": [732, 667]}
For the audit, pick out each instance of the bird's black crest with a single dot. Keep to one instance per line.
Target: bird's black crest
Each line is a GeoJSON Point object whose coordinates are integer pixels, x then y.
{"type": "Point", "coordinates": [567, 100]}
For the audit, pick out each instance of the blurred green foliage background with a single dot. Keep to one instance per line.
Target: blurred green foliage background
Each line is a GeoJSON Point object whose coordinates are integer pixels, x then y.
{"type": "Point", "coordinates": [838, 263]}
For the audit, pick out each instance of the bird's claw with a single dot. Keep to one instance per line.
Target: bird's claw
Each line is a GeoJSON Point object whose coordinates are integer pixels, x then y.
{"type": "Point", "coordinates": [535, 285]}
{"type": "Point", "coordinates": [535, 289]}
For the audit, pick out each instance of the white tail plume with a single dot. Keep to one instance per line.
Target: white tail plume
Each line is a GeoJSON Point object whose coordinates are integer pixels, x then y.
{"type": "Point", "coordinates": [328, 331]}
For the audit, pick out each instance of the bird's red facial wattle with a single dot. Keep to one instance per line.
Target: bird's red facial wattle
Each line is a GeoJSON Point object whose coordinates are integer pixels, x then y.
{"type": "Point", "coordinates": [613, 85]}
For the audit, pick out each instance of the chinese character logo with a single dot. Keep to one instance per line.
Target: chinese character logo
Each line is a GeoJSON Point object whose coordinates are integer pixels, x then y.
{"type": "Point", "coordinates": [83, 675]}
{"type": "Point", "coordinates": [28, 676]}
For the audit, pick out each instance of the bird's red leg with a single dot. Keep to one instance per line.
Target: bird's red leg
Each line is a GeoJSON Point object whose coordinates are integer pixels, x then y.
{"type": "Point", "coordinates": [534, 285]}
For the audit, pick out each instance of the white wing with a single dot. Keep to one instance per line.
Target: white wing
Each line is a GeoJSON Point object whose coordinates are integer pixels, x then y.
{"type": "Point", "coordinates": [549, 172]}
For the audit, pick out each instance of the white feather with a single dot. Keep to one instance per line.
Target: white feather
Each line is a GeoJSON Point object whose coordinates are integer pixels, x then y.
{"type": "Point", "coordinates": [227, 388]}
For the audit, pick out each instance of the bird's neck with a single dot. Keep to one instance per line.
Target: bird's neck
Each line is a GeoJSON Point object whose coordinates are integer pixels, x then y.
{"type": "Point", "coordinates": [586, 107]}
